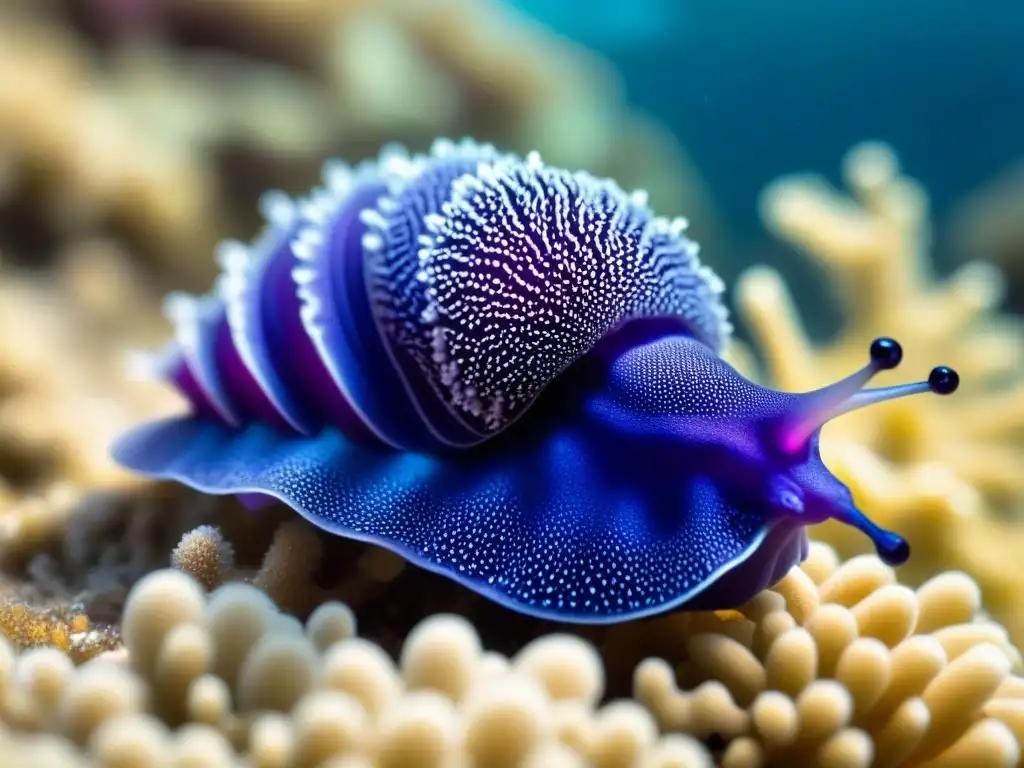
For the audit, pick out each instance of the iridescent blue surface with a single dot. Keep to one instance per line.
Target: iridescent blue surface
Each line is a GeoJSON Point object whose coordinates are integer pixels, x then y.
{"type": "Point", "coordinates": [508, 373]}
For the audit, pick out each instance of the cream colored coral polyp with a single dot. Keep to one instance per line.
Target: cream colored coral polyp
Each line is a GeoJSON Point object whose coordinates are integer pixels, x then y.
{"type": "Point", "coordinates": [511, 716]}
{"type": "Point", "coordinates": [421, 729]}
{"type": "Point", "coordinates": [330, 622]}
{"type": "Point", "coordinates": [361, 669]}
{"type": "Point", "coordinates": [160, 602]}
{"type": "Point", "coordinates": [568, 667]}
{"type": "Point", "coordinates": [186, 653]}
{"type": "Point", "coordinates": [278, 671]}
{"type": "Point", "coordinates": [791, 662]}
{"type": "Point", "coordinates": [196, 745]}
{"type": "Point", "coordinates": [441, 653]}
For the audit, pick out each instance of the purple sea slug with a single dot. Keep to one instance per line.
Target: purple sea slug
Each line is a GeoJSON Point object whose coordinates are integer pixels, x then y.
{"type": "Point", "coordinates": [508, 373]}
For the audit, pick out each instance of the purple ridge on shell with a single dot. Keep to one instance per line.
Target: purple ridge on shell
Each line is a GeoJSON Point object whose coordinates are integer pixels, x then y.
{"type": "Point", "coordinates": [247, 286]}
{"type": "Point", "coordinates": [336, 308]}
{"type": "Point", "coordinates": [509, 374]}
{"type": "Point", "coordinates": [365, 332]}
{"type": "Point", "coordinates": [396, 236]}
{"type": "Point", "coordinates": [197, 322]}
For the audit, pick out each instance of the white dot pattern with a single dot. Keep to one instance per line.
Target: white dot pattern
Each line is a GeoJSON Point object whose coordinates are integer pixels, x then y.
{"type": "Point", "coordinates": [495, 273]}
{"type": "Point", "coordinates": [418, 189]}
{"type": "Point", "coordinates": [532, 265]}
{"type": "Point", "coordinates": [681, 376]}
{"type": "Point", "coordinates": [550, 530]}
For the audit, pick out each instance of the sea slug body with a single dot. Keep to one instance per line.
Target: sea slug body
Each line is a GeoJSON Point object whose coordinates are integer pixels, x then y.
{"type": "Point", "coordinates": [508, 373]}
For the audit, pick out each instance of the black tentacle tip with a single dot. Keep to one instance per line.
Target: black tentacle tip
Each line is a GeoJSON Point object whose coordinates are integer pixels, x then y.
{"type": "Point", "coordinates": [886, 353]}
{"type": "Point", "coordinates": [943, 380]}
{"type": "Point", "coordinates": [895, 552]}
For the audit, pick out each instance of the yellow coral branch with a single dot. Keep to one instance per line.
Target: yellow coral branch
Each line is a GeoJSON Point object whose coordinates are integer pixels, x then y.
{"type": "Point", "coordinates": [925, 466]}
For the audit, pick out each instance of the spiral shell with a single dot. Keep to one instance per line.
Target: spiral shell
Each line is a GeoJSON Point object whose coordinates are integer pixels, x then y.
{"type": "Point", "coordinates": [425, 301]}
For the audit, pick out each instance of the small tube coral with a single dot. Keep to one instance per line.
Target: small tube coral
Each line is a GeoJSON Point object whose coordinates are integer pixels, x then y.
{"type": "Point", "coordinates": [205, 555]}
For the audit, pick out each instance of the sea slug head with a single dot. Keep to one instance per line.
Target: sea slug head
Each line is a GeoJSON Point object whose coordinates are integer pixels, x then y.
{"type": "Point", "coordinates": [759, 447]}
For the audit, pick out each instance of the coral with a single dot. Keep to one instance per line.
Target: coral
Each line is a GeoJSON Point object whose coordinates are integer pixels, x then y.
{"type": "Point", "coordinates": [940, 473]}
{"type": "Point", "coordinates": [165, 144]}
{"type": "Point", "coordinates": [204, 555]}
{"type": "Point", "coordinates": [286, 573]}
{"type": "Point", "coordinates": [875, 250]}
{"type": "Point", "coordinates": [228, 674]}
{"type": "Point", "coordinates": [842, 665]}
{"type": "Point", "coordinates": [63, 389]}
{"type": "Point", "coordinates": [84, 161]}
{"type": "Point", "coordinates": [62, 385]}
{"type": "Point", "coordinates": [858, 670]}
{"type": "Point", "coordinates": [991, 221]}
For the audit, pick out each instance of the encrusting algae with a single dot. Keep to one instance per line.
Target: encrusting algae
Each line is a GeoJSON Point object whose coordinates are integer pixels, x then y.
{"type": "Point", "coordinates": [65, 628]}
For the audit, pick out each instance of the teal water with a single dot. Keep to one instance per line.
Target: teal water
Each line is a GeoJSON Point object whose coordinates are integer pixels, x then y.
{"type": "Point", "coordinates": [756, 88]}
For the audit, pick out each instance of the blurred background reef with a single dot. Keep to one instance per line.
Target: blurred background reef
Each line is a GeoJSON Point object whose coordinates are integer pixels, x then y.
{"type": "Point", "coordinates": [852, 169]}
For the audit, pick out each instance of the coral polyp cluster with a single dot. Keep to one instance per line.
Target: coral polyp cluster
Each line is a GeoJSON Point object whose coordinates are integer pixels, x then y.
{"type": "Point", "coordinates": [839, 666]}
{"type": "Point", "coordinates": [227, 680]}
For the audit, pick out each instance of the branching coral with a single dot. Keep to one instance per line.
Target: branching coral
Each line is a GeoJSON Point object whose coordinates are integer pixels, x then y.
{"type": "Point", "coordinates": [168, 145]}
{"type": "Point", "coordinates": [875, 250]}
{"type": "Point", "coordinates": [926, 467]}
{"type": "Point", "coordinates": [991, 222]}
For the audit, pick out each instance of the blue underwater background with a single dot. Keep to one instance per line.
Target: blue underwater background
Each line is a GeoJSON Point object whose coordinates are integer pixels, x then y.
{"type": "Point", "coordinates": [756, 89]}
